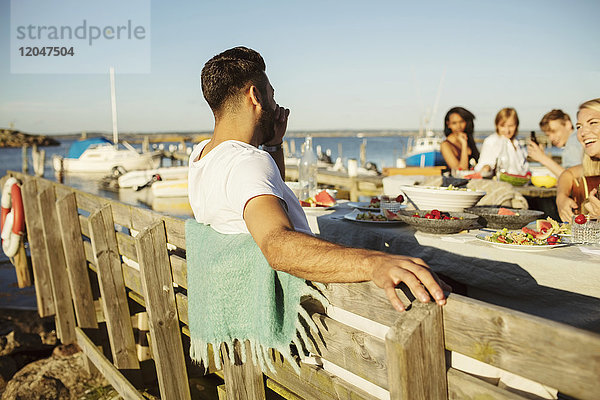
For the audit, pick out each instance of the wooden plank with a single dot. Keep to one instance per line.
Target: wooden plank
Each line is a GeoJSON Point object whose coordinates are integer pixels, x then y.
{"type": "Point", "coordinates": [428, 171]}
{"type": "Point", "coordinates": [463, 386]}
{"type": "Point", "coordinates": [351, 349]}
{"type": "Point", "coordinates": [126, 245]}
{"type": "Point", "coordinates": [112, 289]}
{"type": "Point", "coordinates": [182, 306]}
{"type": "Point", "coordinates": [544, 351]}
{"type": "Point", "coordinates": [179, 269]}
{"type": "Point", "coordinates": [61, 291]}
{"type": "Point", "coordinates": [243, 381]}
{"type": "Point", "coordinates": [415, 354]}
{"type": "Point", "coordinates": [84, 226]}
{"type": "Point", "coordinates": [175, 227]}
{"type": "Point", "coordinates": [37, 248]}
{"type": "Point", "coordinates": [81, 290]}
{"type": "Point", "coordinates": [157, 285]}
{"type": "Point", "coordinates": [22, 268]}
{"type": "Point", "coordinates": [112, 374]}
{"type": "Point", "coordinates": [314, 383]}
{"type": "Point", "coordinates": [282, 391]}
{"type": "Point", "coordinates": [89, 202]}
{"type": "Point", "coordinates": [366, 300]}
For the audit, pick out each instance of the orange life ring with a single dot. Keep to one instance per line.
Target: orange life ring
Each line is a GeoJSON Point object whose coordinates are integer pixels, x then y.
{"type": "Point", "coordinates": [13, 217]}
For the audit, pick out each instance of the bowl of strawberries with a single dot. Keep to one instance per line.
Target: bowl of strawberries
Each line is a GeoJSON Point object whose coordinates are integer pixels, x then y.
{"type": "Point", "coordinates": [435, 221]}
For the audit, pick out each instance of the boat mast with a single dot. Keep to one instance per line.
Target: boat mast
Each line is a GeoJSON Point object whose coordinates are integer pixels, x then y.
{"type": "Point", "coordinates": [113, 101]}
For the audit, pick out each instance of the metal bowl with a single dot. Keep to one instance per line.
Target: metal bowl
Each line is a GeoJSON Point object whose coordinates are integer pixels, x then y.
{"type": "Point", "coordinates": [439, 226]}
{"type": "Point", "coordinates": [489, 217]}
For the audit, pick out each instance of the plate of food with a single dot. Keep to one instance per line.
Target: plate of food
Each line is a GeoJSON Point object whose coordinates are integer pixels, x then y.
{"type": "Point", "coordinates": [502, 217]}
{"type": "Point", "coordinates": [522, 240]}
{"type": "Point", "coordinates": [379, 202]}
{"type": "Point", "coordinates": [562, 229]}
{"type": "Point", "coordinates": [365, 205]}
{"type": "Point", "coordinates": [370, 217]}
{"type": "Point", "coordinates": [435, 221]}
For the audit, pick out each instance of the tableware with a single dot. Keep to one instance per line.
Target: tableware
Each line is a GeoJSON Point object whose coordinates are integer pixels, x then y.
{"type": "Point", "coordinates": [489, 217]}
{"type": "Point", "coordinates": [318, 210]}
{"type": "Point", "coordinates": [441, 198]}
{"type": "Point", "coordinates": [363, 205]}
{"type": "Point", "coordinates": [439, 226]}
{"type": "Point", "coordinates": [520, 247]}
{"type": "Point", "coordinates": [588, 233]}
{"type": "Point", "coordinates": [391, 205]}
{"type": "Point", "coordinates": [354, 214]}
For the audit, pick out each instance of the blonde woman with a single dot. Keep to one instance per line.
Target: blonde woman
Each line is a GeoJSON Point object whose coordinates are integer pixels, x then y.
{"type": "Point", "coordinates": [503, 147]}
{"type": "Point", "coordinates": [578, 186]}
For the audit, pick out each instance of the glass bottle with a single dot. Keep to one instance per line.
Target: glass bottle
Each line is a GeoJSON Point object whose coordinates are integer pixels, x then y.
{"type": "Point", "coordinates": [307, 170]}
{"type": "Point", "coordinates": [502, 163]}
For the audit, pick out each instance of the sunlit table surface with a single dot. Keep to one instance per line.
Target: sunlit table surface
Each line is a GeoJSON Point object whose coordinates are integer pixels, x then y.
{"type": "Point", "coordinates": [561, 284]}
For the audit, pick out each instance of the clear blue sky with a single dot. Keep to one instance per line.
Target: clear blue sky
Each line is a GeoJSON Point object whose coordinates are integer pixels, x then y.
{"type": "Point", "coordinates": [335, 64]}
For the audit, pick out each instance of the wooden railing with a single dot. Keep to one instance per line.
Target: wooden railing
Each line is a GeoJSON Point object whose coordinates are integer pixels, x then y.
{"type": "Point", "coordinates": [105, 270]}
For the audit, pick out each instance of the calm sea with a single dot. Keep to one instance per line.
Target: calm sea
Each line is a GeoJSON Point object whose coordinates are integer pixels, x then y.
{"type": "Point", "coordinates": [381, 150]}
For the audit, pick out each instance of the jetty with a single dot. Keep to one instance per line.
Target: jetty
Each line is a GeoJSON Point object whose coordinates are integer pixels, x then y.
{"type": "Point", "coordinates": [115, 279]}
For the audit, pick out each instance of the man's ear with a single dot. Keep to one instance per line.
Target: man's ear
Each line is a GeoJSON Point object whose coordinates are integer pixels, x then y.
{"type": "Point", "coordinates": [255, 96]}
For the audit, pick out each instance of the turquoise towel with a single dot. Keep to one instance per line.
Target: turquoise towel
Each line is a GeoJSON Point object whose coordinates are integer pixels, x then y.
{"type": "Point", "coordinates": [233, 293]}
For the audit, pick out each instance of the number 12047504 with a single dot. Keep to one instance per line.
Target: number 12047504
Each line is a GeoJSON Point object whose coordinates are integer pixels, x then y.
{"type": "Point", "coordinates": [46, 51]}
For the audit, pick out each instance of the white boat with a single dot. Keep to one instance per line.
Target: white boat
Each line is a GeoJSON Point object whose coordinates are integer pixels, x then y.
{"type": "Point", "coordinates": [135, 179]}
{"type": "Point", "coordinates": [101, 155]}
{"type": "Point", "coordinates": [172, 188]}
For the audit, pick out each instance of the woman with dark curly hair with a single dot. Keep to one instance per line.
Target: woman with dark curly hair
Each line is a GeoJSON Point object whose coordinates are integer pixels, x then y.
{"type": "Point", "coordinates": [459, 150]}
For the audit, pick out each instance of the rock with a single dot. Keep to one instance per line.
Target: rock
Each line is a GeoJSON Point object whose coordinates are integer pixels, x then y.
{"type": "Point", "coordinates": [8, 367]}
{"type": "Point", "coordinates": [57, 377]}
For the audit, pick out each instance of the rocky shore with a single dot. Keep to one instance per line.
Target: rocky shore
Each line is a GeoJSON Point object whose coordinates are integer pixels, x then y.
{"type": "Point", "coordinates": [33, 365]}
{"type": "Point", "coordinates": [12, 138]}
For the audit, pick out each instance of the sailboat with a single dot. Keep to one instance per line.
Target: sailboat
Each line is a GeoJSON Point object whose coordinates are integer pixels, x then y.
{"type": "Point", "coordinates": [424, 150]}
{"type": "Point", "coordinates": [101, 155]}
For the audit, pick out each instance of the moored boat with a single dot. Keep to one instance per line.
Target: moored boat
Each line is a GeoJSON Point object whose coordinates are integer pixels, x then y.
{"type": "Point", "coordinates": [425, 152]}
{"type": "Point", "coordinates": [101, 155]}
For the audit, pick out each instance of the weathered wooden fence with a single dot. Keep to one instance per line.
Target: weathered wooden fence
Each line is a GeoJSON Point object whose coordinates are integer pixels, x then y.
{"type": "Point", "coordinates": [109, 272]}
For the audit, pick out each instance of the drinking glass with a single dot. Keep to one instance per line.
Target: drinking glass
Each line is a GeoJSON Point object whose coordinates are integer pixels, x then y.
{"type": "Point", "coordinates": [588, 233]}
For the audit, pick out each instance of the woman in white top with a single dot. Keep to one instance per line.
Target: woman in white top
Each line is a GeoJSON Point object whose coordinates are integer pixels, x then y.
{"type": "Point", "coordinates": [501, 150]}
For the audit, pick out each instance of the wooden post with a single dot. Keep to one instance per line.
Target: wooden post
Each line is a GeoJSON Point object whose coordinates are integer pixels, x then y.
{"type": "Point", "coordinates": [24, 163]}
{"type": "Point", "coordinates": [242, 381]}
{"type": "Point", "coordinates": [81, 290]}
{"type": "Point", "coordinates": [416, 356]}
{"type": "Point", "coordinates": [65, 317]}
{"type": "Point", "coordinates": [112, 289]}
{"type": "Point", "coordinates": [157, 285]}
{"type": "Point", "coordinates": [22, 269]}
{"type": "Point", "coordinates": [37, 248]}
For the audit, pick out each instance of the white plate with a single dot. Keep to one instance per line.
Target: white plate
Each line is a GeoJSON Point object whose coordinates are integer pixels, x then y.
{"type": "Point", "coordinates": [318, 210]}
{"type": "Point", "coordinates": [519, 247]}
{"type": "Point", "coordinates": [352, 217]}
{"type": "Point", "coordinates": [363, 205]}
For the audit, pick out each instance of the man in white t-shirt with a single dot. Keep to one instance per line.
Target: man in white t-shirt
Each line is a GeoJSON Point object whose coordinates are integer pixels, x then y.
{"type": "Point", "coordinates": [238, 188]}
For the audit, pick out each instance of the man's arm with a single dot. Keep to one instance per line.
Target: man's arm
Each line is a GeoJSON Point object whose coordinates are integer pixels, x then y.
{"type": "Point", "coordinates": [310, 258]}
{"type": "Point", "coordinates": [536, 153]}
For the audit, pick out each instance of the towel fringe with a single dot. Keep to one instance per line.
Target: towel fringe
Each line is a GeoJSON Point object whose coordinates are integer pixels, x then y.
{"type": "Point", "coordinates": [260, 355]}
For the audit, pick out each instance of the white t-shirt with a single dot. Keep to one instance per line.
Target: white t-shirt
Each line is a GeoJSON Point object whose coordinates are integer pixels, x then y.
{"type": "Point", "coordinates": [492, 148]}
{"type": "Point", "coordinates": [224, 180]}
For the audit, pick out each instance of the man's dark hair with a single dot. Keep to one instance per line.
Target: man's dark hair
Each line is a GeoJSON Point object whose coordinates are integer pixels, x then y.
{"type": "Point", "coordinates": [226, 74]}
{"type": "Point", "coordinates": [469, 128]}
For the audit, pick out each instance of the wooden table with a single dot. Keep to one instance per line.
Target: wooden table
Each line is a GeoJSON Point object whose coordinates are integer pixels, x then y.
{"type": "Point", "coordinates": [562, 284]}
